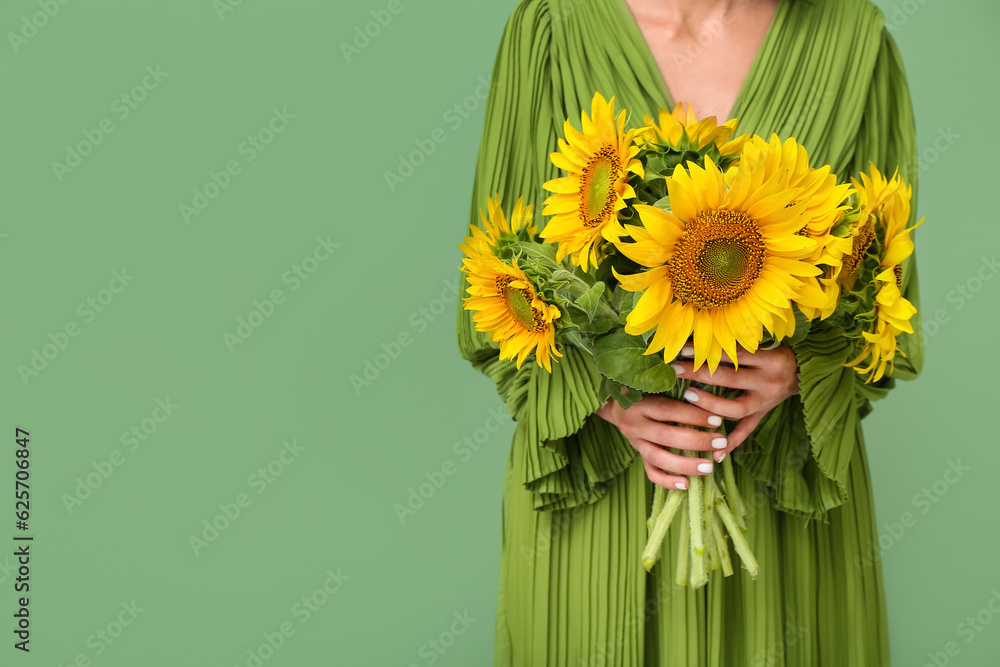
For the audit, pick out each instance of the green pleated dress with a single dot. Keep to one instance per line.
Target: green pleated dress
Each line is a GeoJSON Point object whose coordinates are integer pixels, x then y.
{"type": "Point", "coordinates": [572, 588]}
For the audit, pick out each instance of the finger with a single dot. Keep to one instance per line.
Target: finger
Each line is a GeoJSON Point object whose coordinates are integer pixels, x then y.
{"type": "Point", "coordinates": [676, 463]}
{"type": "Point", "coordinates": [744, 357]}
{"type": "Point", "coordinates": [730, 408]}
{"type": "Point", "coordinates": [666, 480]}
{"type": "Point", "coordinates": [663, 409]}
{"type": "Point", "coordinates": [724, 376]}
{"type": "Point", "coordinates": [743, 429]}
{"type": "Point", "coordinates": [680, 437]}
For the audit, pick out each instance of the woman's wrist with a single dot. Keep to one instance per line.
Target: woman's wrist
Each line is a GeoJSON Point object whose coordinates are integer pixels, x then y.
{"type": "Point", "coordinates": [609, 411]}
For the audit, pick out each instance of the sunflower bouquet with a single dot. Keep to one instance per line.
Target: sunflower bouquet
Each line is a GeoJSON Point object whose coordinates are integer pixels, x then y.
{"type": "Point", "coordinates": [675, 231]}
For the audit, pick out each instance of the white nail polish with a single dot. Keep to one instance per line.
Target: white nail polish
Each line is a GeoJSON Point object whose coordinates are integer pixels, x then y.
{"type": "Point", "coordinates": [690, 396]}
{"type": "Point", "coordinates": [722, 457]}
{"type": "Point", "coordinates": [688, 351]}
{"type": "Point", "coordinates": [719, 443]}
{"type": "Point", "coordinates": [678, 369]}
{"type": "Point", "coordinates": [715, 420]}
{"type": "Point", "coordinates": [681, 485]}
{"type": "Point", "coordinates": [704, 467]}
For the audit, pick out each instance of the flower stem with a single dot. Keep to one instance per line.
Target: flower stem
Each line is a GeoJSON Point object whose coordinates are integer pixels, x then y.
{"type": "Point", "coordinates": [733, 493]}
{"type": "Point", "coordinates": [659, 494]}
{"type": "Point", "coordinates": [736, 533]}
{"type": "Point", "coordinates": [652, 551]}
{"type": "Point", "coordinates": [721, 541]}
{"type": "Point", "coordinates": [696, 516]}
{"type": "Point", "coordinates": [681, 577]}
{"type": "Point", "coordinates": [709, 514]}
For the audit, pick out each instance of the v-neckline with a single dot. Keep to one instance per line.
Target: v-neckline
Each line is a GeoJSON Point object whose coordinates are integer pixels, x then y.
{"type": "Point", "coordinates": [765, 46]}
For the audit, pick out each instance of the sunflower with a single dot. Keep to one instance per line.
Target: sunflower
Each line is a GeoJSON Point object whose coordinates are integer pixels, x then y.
{"type": "Point", "coordinates": [824, 198]}
{"type": "Point", "coordinates": [725, 262]}
{"type": "Point", "coordinates": [682, 130]}
{"type": "Point", "coordinates": [850, 251]}
{"type": "Point", "coordinates": [597, 161]}
{"type": "Point", "coordinates": [508, 306]}
{"type": "Point", "coordinates": [885, 205]}
{"type": "Point", "coordinates": [484, 241]}
{"type": "Point", "coordinates": [824, 204]}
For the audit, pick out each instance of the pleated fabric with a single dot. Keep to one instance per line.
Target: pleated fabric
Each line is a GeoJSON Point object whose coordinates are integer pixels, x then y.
{"type": "Point", "coordinates": [572, 588]}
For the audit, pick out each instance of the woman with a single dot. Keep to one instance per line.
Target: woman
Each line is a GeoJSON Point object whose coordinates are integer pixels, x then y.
{"type": "Point", "coordinates": [580, 474]}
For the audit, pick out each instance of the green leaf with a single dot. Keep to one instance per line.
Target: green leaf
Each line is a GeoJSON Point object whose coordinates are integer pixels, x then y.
{"type": "Point", "coordinates": [581, 340]}
{"type": "Point", "coordinates": [656, 163]}
{"type": "Point", "coordinates": [537, 251]}
{"type": "Point", "coordinates": [601, 323]}
{"type": "Point", "coordinates": [562, 276]}
{"type": "Point", "coordinates": [591, 299]}
{"type": "Point", "coordinates": [614, 390]}
{"type": "Point", "coordinates": [618, 298]}
{"type": "Point", "coordinates": [627, 305]}
{"type": "Point", "coordinates": [620, 357]}
{"type": "Point", "coordinates": [663, 203]}
{"type": "Point", "coordinates": [802, 327]}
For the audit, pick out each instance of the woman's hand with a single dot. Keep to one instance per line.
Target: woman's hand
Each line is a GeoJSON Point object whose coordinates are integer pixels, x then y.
{"type": "Point", "coordinates": [643, 424]}
{"type": "Point", "coordinates": [767, 377]}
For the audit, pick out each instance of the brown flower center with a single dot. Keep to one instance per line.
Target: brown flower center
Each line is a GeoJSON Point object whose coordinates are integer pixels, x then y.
{"type": "Point", "coordinates": [862, 241]}
{"type": "Point", "coordinates": [597, 187]}
{"type": "Point", "coordinates": [717, 260]}
{"type": "Point", "coordinates": [518, 300]}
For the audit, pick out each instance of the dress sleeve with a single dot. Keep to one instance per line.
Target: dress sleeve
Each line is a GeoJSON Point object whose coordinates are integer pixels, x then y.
{"type": "Point", "coordinates": [570, 453]}
{"type": "Point", "coordinates": [803, 448]}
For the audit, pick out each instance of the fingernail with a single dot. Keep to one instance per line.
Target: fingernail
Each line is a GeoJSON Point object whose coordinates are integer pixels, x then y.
{"type": "Point", "coordinates": [704, 467]}
{"type": "Point", "coordinates": [721, 457]}
{"type": "Point", "coordinates": [688, 351]}
{"type": "Point", "coordinates": [719, 443]}
{"type": "Point", "coordinates": [691, 396]}
{"type": "Point", "coordinates": [715, 420]}
{"type": "Point", "coordinates": [681, 485]}
{"type": "Point", "coordinates": [678, 369]}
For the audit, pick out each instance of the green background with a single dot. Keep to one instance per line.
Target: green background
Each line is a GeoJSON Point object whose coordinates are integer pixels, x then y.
{"type": "Point", "coordinates": [363, 448]}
